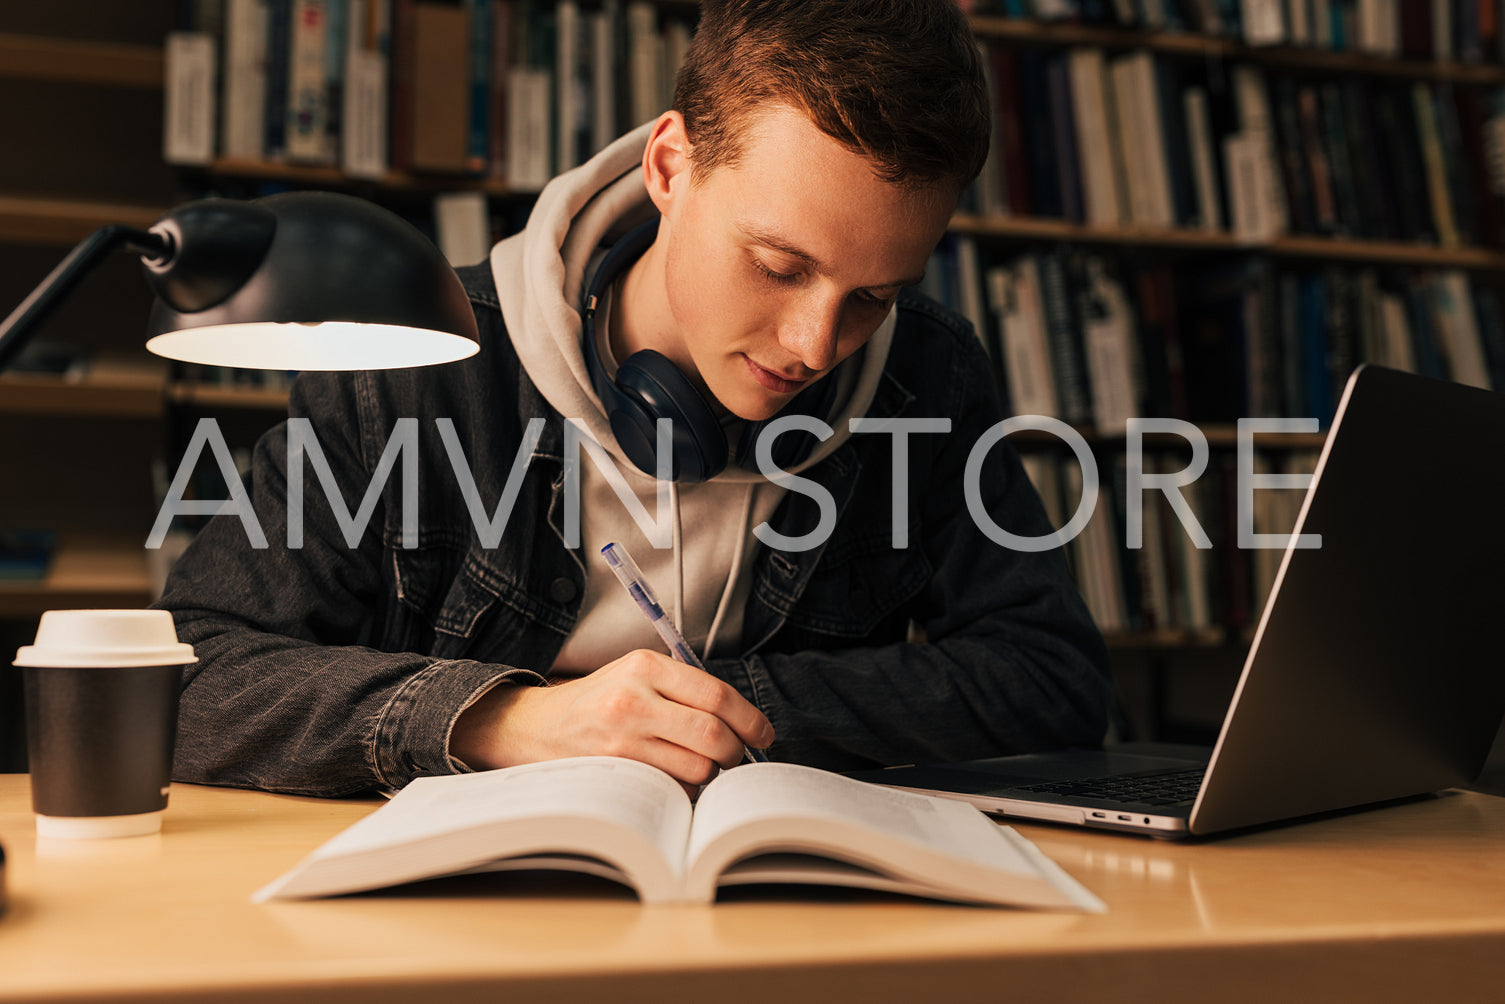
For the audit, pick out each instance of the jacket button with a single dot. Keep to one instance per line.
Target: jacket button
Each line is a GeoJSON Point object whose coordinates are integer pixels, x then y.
{"type": "Point", "coordinates": [563, 589]}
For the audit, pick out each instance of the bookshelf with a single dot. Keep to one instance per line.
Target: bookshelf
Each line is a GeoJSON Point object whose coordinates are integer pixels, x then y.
{"type": "Point", "coordinates": [1292, 291]}
{"type": "Point", "coordinates": [81, 87]}
{"type": "Point", "coordinates": [1160, 250]}
{"type": "Point", "coordinates": [1284, 266]}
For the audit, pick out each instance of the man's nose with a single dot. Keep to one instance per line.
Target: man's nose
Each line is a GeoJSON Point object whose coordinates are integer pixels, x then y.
{"type": "Point", "coordinates": [810, 333]}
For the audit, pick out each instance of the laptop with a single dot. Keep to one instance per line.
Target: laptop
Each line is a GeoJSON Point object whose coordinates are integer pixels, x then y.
{"type": "Point", "coordinates": [1377, 669]}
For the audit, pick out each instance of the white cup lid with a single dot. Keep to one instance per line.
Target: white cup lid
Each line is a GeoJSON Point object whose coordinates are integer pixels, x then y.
{"type": "Point", "coordinates": [106, 639]}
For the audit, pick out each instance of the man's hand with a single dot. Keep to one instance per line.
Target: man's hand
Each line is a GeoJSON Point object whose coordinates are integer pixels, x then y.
{"type": "Point", "coordinates": [644, 706]}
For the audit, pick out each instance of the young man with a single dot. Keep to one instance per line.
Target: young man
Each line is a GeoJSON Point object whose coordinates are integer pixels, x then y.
{"type": "Point", "coordinates": [740, 259]}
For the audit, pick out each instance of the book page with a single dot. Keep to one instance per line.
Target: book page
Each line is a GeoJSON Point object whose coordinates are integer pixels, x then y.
{"type": "Point", "coordinates": [624, 792]}
{"type": "Point", "coordinates": [761, 791]}
{"type": "Point", "coordinates": [753, 820]}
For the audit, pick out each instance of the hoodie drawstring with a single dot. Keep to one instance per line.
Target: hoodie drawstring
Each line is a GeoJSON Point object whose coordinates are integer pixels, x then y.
{"type": "Point", "coordinates": [733, 575]}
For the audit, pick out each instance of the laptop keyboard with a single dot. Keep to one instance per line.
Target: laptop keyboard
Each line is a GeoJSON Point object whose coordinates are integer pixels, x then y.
{"type": "Point", "coordinates": [1158, 788]}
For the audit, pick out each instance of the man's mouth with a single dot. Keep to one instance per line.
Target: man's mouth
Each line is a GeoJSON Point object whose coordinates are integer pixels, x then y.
{"type": "Point", "coordinates": [778, 383]}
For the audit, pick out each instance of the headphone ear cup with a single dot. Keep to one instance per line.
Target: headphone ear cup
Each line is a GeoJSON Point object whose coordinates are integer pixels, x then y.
{"type": "Point", "coordinates": [818, 400]}
{"type": "Point", "coordinates": [656, 388]}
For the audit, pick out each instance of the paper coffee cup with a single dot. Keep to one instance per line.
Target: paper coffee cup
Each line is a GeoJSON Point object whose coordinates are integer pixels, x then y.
{"type": "Point", "coordinates": [101, 717]}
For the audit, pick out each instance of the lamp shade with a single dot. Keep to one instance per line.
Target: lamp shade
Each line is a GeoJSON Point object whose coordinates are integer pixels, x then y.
{"type": "Point", "coordinates": [304, 281]}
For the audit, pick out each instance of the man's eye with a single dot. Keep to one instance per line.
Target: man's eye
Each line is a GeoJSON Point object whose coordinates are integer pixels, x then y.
{"type": "Point", "coordinates": [782, 278]}
{"type": "Point", "coordinates": [876, 301]}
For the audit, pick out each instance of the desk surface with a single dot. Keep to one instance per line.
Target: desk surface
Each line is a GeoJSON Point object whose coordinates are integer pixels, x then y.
{"type": "Point", "coordinates": [1405, 902]}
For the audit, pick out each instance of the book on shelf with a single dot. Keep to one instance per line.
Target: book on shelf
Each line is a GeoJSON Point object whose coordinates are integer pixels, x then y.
{"type": "Point", "coordinates": [1096, 119]}
{"type": "Point", "coordinates": [631, 823]}
{"type": "Point", "coordinates": [1263, 21]}
{"type": "Point", "coordinates": [1432, 163]}
{"type": "Point", "coordinates": [439, 91]}
{"type": "Point", "coordinates": [307, 130]}
{"type": "Point", "coordinates": [986, 196]}
{"type": "Point", "coordinates": [242, 96]}
{"type": "Point", "coordinates": [645, 48]}
{"type": "Point", "coordinates": [1015, 295]}
{"type": "Point", "coordinates": [278, 67]}
{"type": "Point", "coordinates": [1143, 139]}
{"type": "Point", "coordinates": [462, 227]}
{"type": "Point", "coordinates": [26, 553]}
{"type": "Point", "coordinates": [1109, 343]}
{"type": "Point", "coordinates": [461, 87]}
{"type": "Point", "coordinates": [1064, 131]}
{"type": "Point", "coordinates": [189, 114]}
{"type": "Point", "coordinates": [481, 36]}
{"type": "Point", "coordinates": [1063, 334]}
{"type": "Point", "coordinates": [969, 289]}
{"type": "Point", "coordinates": [1038, 134]}
{"type": "Point", "coordinates": [1205, 175]}
{"type": "Point", "coordinates": [1013, 161]}
{"type": "Point", "coordinates": [365, 95]}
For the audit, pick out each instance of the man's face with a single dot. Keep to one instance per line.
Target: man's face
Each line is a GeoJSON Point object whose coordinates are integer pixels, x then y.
{"type": "Point", "coordinates": [778, 268]}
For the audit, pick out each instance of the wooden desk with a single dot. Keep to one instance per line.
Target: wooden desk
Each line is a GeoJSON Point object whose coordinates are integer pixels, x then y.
{"type": "Point", "coordinates": [1405, 903]}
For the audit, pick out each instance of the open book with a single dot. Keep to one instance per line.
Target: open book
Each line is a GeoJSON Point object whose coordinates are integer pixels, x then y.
{"type": "Point", "coordinates": [626, 821]}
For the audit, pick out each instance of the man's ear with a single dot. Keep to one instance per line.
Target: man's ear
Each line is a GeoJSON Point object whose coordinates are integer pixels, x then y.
{"type": "Point", "coordinates": [666, 160]}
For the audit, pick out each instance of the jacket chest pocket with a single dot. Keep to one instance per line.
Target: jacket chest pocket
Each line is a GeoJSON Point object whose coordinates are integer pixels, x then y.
{"type": "Point", "coordinates": [441, 605]}
{"type": "Point", "coordinates": [860, 581]}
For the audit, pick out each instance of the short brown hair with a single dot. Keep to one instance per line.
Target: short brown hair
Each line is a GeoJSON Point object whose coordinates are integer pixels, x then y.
{"type": "Point", "coordinates": [898, 81]}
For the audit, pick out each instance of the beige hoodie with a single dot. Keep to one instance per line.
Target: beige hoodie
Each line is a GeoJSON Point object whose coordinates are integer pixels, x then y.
{"type": "Point", "coordinates": [703, 578]}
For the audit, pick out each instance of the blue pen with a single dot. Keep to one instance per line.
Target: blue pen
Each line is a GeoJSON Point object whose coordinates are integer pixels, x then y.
{"type": "Point", "coordinates": [631, 577]}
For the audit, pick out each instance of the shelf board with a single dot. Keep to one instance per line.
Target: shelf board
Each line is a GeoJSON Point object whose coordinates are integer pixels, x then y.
{"type": "Point", "coordinates": [32, 57]}
{"type": "Point", "coordinates": [334, 177]}
{"type": "Point", "coordinates": [1168, 639]}
{"type": "Point", "coordinates": [114, 396]}
{"type": "Point", "coordinates": [212, 396]}
{"type": "Point", "coordinates": [1218, 436]}
{"type": "Point", "coordinates": [1194, 44]}
{"type": "Point", "coordinates": [1034, 228]}
{"type": "Point", "coordinates": [145, 395]}
{"type": "Point", "coordinates": [86, 571]}
{"type": "Point", "coordinates": [1387, 252]}
{"type": "Point", "coordinates": [36, 220]}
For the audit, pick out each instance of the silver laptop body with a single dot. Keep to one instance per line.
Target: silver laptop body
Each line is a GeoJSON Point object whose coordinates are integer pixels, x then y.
{"type": "Point", "coordinates": [1377, 670]}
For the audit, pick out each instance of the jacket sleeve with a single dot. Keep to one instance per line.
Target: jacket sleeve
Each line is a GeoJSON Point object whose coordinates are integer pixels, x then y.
{"type": "Point", "coordinates": [1011, 661]}
{"type": "Point", "coordinates": [285, 696]}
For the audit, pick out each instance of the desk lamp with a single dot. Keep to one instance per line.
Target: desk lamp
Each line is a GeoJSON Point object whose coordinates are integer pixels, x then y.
{"type": "Point", "coordinates": [296, 281]}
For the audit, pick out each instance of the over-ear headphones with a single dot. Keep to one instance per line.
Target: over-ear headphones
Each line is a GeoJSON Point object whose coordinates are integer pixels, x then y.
{"type": "Point", "coordinates": [648, 387]}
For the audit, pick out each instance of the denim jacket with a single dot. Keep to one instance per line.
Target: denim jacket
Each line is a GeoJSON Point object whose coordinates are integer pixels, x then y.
{"type": "Point", "coordinates": [338, 667]}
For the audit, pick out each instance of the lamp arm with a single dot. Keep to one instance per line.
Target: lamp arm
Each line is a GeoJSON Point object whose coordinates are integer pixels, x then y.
{"type": "Point", "coordinates": [17, 328]}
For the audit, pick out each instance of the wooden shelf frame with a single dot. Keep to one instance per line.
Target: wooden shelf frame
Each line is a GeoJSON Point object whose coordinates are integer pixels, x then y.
{"type": "Point", "coordinates": [127, 398]}
{"type": "Point", "coordinates": [1183, 638]}
{"type": "Point", "coordinates": [1219, 436]}
{"type": "Point", "coordinates": [76, 61]}
{"type": "Point", "coordinates": [65, 222]}
{"type": "Point", "coordinates": [334, 177]}
{"type": "Point", "coordinates": [87, 570]}
{"type": "Point", "coordinates": [1027, 31]}
{"type": "Point", "coordinates": [203, 395]}
{"type": "Point", "coordinates": [1289, 246]}
{"type": "Point", "coordinates": [85, 396]}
